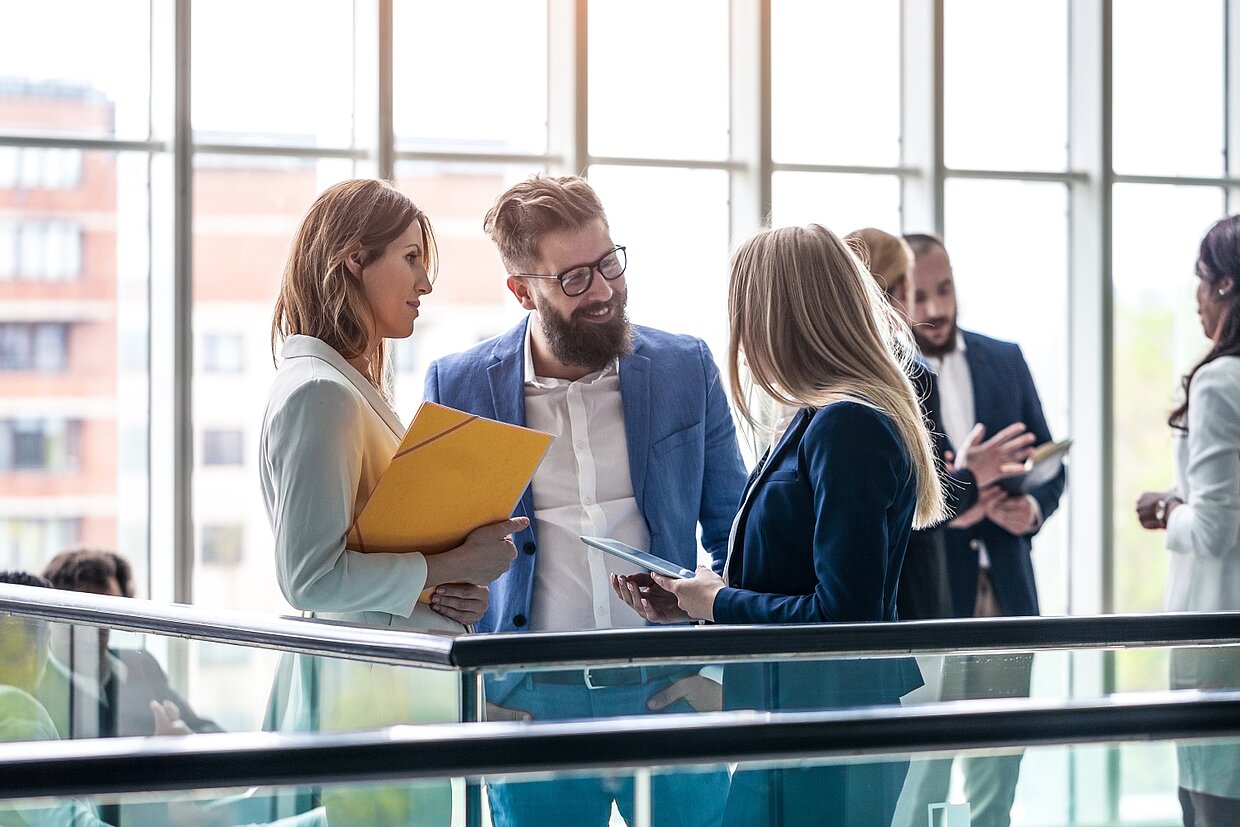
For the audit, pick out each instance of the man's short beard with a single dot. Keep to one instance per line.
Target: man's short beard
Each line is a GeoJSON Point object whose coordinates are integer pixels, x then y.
{"type": "Point", "coordinates": [928, 348]}
{"type": "Point", "coordinates": [583, 344]}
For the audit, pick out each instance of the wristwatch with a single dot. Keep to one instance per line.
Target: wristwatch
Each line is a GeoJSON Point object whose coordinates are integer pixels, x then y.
{"type": "Point", "coordinates": [1160, 509]}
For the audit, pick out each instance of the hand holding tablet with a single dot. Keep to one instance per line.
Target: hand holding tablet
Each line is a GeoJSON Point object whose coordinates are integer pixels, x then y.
{"type": "Point", "coordinates": [642, 559]}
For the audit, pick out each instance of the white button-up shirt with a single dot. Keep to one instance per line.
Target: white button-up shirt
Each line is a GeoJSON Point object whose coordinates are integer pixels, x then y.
{"type": "Point", "coordinates": [956, 406]}
{"type": "Point", "coordinates": [582, 487]}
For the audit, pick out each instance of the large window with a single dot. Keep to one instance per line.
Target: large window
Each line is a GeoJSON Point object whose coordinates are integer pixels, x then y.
{"type": "Point", "coordinates": [692, 131]}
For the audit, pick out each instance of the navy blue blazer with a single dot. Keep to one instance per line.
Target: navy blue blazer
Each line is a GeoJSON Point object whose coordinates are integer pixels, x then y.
{"type": "Point", "coordinates": [1003, 393]}
{"type": "Point", "coordinates": [684, 460]}
{"type": "Point", "coordinates": [821, 538]}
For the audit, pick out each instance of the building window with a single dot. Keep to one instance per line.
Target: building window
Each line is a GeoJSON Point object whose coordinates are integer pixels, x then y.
{"type": "Point", "coordinates": [223, 447]}
{"type": "Point", "coordinates": [34, 347]}
{"type": "Point", "coordinates": [28, 543]}
{"type": "Point", "coordinates": [223, 353]}
{"type": "Point", "coordinates": [222, 544]}
{"type": "Point", "coordinates": [40, 251]}
{"type": "Point", "coordinates": [31, 168]}
{"type": "Point", "coordinates": [40, 445]}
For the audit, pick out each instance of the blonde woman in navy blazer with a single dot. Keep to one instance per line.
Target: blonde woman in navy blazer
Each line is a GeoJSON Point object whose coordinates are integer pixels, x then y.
{"type": "Point", "coordinates": [823, 524]}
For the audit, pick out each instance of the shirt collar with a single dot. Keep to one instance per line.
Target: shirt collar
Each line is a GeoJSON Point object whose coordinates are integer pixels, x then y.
{"type": "Point", "coordinates": [532, 380]}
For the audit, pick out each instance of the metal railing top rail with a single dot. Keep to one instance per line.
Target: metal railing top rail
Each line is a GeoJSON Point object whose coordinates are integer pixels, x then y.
{"type": "Point", "coordinates": [127, 765]}
{"type": "Point", "coordinates": [698, 644]}
{"type": "Point", "coordinates": [294, 634]}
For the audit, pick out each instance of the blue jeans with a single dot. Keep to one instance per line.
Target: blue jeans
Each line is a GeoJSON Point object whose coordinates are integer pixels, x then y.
{"type": "Point", "coordinates": [680, 799]}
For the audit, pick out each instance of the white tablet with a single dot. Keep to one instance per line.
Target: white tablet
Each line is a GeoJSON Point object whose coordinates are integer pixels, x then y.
{"type": "Point", "coordinates": [639, 558]}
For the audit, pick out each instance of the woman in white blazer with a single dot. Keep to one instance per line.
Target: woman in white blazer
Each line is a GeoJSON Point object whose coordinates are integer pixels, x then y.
{"type": "Point", "coordinates": [359, 266]}
{"type": "Point", "coordinates": [1201, 515]}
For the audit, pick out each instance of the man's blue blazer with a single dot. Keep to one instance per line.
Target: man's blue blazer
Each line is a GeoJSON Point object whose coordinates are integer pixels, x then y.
{"type": "Point", "coordinates": [1003, 393]}
{"type": "Point", "coordinates": [684, 461]}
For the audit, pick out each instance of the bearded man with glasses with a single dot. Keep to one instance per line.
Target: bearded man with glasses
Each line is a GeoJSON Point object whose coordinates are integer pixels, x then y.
{"type": "Point", "coordinates": [645, 453]}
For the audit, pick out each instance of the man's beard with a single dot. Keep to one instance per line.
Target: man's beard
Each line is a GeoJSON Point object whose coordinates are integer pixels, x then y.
{"type": "Point", "coordinates": [927, 347]}
{"type": "Point", "coordinates": [584, 344]}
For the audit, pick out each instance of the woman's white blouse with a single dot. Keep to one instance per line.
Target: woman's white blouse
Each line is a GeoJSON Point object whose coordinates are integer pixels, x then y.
{"type": "Point", "coordinates": [328, 435]}
{"type": "Point", "coordinates": [1204, 533]}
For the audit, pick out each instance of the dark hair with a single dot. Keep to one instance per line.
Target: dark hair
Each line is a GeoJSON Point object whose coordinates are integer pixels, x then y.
{"type": "Point", "coordinates": [1218, 259]}
{"type": "Point", "coordinates": [23, 578]}
{"type": "Point", "coordinates": [87, 569]}
{"type": "Point", "coordinates": [922, 243]}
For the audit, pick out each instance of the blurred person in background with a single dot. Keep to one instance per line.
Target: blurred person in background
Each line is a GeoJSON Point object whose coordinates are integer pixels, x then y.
{"type": "Point", "coordinates": [1201, 515]}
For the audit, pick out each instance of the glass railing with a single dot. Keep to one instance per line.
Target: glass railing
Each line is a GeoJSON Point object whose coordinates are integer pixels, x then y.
{"type": "Point", "coordinates": [850, 768]}
{"type": "Point", "coordinates": [109, 658]}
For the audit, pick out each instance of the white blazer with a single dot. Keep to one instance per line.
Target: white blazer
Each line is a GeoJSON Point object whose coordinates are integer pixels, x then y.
{"type": "Point", "coordinates": [328, 435]}
{"type": "Point", "coordinates": [1204, 533]}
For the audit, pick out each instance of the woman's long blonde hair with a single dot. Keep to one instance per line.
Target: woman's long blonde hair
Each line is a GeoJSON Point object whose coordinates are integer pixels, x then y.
{"type": "Point", "coordinates": [814, 328]}
{"type": "Point", "coordinates": [319, 296]}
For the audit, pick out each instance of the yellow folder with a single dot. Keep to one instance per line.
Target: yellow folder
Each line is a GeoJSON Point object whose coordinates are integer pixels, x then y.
{"type": "Point", "coordinates": [452, 473]}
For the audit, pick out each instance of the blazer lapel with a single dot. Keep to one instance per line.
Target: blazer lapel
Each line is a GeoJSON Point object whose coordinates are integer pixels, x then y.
{"type": "Point", "coordinates": [791, 436]}
{"type": "Point", "coordinates": [635, 399]}
{"type": "Point", "coordinates": [983, 381]}
{"type": "Point", "coordinates": [506, 376]}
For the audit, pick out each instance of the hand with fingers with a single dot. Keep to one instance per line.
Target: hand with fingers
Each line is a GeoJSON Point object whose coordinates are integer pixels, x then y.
{"type": "Point", "coordinates": [463, 602]}
{"type": "Point", "coordinates": [702, 694]}
{"type": "Point", "coordinates": [168, 719]}
{"type": "Point", "coordinates": [1000, 457]}
{"type": "Point", "coordinates": [646, 597]}
{"type": "Point", "coordinates": [977, 513]}
{"type": "Point", "coordinates": [495, 712]}
{"type": "Point", "coordinates": [1014, 513]}
{"type": "Point", "coordinates": [485, 555]}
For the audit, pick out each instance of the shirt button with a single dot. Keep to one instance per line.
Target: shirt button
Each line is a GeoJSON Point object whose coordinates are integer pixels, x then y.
{"type": "Point", "coordinates": [518, 620]}
{"type": "Point", "coordinates": [528, 548]}
{"type": "Point", "coordinates": [589, 501]}
{"type": "Point", "coordinates": [581, 443]}
{"type": "Point", "coordinates": [975, 544]}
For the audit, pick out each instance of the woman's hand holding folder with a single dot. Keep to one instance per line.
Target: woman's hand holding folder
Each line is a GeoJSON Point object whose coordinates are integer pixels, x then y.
{"type": "Point", "coordinates": [485, 555]}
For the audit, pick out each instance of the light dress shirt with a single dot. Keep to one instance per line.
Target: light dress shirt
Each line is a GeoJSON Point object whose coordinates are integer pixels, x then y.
{"type": "Point", "coordinates": [956, 404]}
{"type": "Point", "coordinates": [1203, 534]}
{"type": "Point", "coordinates": [582, 487]}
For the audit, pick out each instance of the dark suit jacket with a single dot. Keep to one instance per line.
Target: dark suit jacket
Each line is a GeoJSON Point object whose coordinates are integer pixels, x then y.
{"type": "Point", "coordinates": [1003, 393]}
{"type": "Point", "coordinates": [820, 538]}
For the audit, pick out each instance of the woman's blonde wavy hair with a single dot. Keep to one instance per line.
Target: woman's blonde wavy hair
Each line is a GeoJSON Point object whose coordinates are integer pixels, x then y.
{"type": "Point", "coordinates": [319, 296]}
{"type": "Point", "coordinates": [813, 327]}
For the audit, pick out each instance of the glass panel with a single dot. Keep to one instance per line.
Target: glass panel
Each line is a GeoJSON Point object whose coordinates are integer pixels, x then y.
{"type": "Point", "coordinates": [1018, 292]}
{"type": "Point", "coordinates": [823, 110]}
{"type": "Point", "coordinates": [246, 210]}
{"type": "Point", "coordinates": [842, 203]}
{"type": "Point", "coordinates": [61, 77]}
{"type": "Point", "coordinates": [73, 314]}
{"type": "Point", "coordinates": [659, 91]}
{"type": "Point", "coordinates": [500, 69]}
{"type": "Point", "coordinates": [1006, 85]}
{"type": "Point", "coordinates": [1168, 87]}
{"type": "Point", "coordinates": [296, 70]}
{"type": "Point", "coordinates": [1157, 340]}
{"type": "Point", "coordinates": [677, 247]}
{"type": "Point", "coordinates": [470, 302]}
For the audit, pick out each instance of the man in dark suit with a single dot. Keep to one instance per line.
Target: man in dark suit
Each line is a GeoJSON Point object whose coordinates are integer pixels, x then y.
{"type": "Point", "coordinates": [981, 381]}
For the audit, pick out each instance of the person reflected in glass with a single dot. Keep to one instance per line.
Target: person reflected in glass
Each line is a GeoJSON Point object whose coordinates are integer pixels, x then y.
{"type": "Point", "coordinates": [825, 518]}
{"type": "Point", "coordinates": [1201, 515]}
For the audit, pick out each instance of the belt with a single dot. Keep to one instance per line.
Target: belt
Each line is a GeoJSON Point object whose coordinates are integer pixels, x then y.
{"type": "Point", "coordinates": [606, 678]}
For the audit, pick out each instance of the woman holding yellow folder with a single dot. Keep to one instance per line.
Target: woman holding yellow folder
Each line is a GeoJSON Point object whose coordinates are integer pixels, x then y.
{"type": "Point", "coordinates": [359, 266]}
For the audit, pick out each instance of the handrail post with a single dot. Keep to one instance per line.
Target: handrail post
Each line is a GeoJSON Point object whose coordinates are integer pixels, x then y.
{"type": "Point", "coordinates": [471, 711]}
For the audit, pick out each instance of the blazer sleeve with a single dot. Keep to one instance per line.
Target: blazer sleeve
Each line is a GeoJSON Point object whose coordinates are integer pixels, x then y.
{"type": "Point", "coordinates": [1047, 495]}
{"type": "Point", "coordinates": [314, 451]}
{"type": "Point", "coordinates": [856, 468]}
{"type": "Point", "coordinates": [1209, 523]}
{"type": "Point", "coordinates": [724, 475]}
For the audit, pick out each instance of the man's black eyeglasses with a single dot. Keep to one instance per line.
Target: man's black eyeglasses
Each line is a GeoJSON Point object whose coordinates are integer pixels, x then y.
{"type": "Point", "coordinates": [577, 279]}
